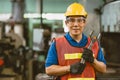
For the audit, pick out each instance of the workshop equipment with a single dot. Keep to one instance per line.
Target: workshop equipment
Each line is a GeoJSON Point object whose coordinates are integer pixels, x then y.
{"type": "Point", "coordinates": [111, 48]}
{"type": "Point", "coordinates": [42, 76]}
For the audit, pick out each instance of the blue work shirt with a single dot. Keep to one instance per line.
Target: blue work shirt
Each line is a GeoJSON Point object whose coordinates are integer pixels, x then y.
{"type": "Point", "coordinates": [52, 58]}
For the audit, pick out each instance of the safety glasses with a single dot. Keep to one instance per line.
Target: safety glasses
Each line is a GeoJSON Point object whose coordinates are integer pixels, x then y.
{"type": "Point", "coordinates": [78, 20]}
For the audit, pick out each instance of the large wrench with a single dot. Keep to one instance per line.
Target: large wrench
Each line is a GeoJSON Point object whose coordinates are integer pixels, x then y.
{"type": "Point", "coordinates": [91, 43]}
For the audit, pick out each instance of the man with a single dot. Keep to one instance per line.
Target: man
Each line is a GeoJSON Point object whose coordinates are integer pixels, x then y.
{"type": "Point", "coordinates": [65, 53]}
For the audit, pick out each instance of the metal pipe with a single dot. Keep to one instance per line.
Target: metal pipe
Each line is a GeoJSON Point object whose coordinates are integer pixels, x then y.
{"type": "Point", "coordinates": [41, 11]}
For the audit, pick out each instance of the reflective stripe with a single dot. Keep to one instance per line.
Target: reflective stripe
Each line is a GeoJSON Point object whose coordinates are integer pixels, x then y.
{"type": "Point", "coordinates": [73, 56]}
{"type": "Point", "coordinates": [81, 79]}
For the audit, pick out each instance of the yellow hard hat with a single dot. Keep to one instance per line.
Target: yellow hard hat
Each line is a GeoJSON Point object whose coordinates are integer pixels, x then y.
{"type": "Point", "coordinates": [76, 9]}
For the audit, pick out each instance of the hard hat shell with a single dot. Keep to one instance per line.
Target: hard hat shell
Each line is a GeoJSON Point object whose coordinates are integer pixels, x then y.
{"type": "Point", "coordinates": [76, 9]}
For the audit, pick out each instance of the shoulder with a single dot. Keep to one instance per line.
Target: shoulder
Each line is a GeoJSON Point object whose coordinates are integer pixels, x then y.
{"type": "Point", "coordinates": [54, 41]}
{"type": "Point", "coordinates": [59, 38]}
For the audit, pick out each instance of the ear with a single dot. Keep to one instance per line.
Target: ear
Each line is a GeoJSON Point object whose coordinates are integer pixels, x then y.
{"type": "Point", "coordinates": [66, 22]}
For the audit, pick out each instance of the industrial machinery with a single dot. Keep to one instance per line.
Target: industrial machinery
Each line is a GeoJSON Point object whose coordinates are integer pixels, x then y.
{"type": "Point", "coordinates": [110, 45]}
{"type": "Point", "coordinates": [13, 61]}
{"type": "Point", "coordinates": [13, 57]}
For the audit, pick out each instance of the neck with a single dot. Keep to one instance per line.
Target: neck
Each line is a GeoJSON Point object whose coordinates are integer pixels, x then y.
{"type": "Point", "coordinates": [77, 37]}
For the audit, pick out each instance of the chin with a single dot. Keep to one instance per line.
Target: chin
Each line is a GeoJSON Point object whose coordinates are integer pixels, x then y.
{"type": "Point", "coordinates": [76, 34]}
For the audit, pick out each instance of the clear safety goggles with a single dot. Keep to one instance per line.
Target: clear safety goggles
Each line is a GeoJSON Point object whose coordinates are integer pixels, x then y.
{"type": "Point", "coordinates": [73, 20]}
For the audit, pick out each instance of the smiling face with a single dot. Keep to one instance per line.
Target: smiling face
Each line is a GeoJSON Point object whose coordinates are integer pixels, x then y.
{"type": "Point", "coordinates": [75, 25]}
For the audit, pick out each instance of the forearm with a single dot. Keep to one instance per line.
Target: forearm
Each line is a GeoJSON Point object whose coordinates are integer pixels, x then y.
{"type": "Point", "coordinates": [57, 70]}
{"type": "Point", "coordinates": [99, 66]}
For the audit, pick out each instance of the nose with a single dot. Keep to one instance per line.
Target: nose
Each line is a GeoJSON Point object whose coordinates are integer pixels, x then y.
{"type": "Point", "coordinates": [76, 23]}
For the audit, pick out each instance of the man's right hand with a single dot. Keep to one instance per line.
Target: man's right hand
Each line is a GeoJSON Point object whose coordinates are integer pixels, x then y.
{"type": "Point", "coordinates": [77, 68]}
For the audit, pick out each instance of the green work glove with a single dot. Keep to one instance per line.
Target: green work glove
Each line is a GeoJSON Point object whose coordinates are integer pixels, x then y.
{"type": "Point", "coordinates": [77, 68]}
{"type": "Point", "coordinates": [88, 55]}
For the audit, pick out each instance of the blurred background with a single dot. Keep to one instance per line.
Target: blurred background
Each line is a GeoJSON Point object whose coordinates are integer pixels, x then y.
{"type": "Point", "coordinates": [28, 26]}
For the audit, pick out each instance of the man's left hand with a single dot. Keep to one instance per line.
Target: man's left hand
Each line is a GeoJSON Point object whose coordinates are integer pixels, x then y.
{"type": "Point", "coordinates": [88, 55]}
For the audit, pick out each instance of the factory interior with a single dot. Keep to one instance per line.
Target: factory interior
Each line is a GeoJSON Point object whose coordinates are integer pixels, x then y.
{"type": "Point", "coordinates": [27, 28]}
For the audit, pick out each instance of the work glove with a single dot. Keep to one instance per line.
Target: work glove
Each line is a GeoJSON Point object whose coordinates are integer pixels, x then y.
{"type": "Point", "coordinates": [77, 68]}
{"type": "Point", "coordinates": [88, 55]}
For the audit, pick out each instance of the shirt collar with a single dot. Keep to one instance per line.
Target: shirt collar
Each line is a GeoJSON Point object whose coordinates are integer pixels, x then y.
{"type": "Point", "coordinates": [81, 43]}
